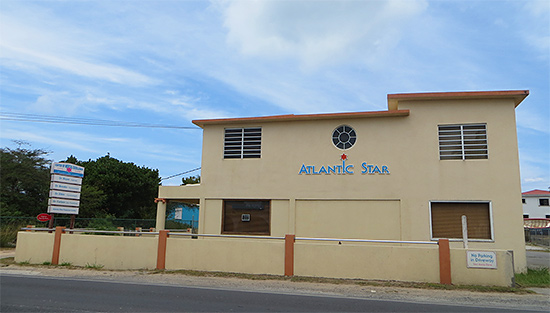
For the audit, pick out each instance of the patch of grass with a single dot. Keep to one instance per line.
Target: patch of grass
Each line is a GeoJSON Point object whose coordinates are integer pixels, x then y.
{"type": "Point", "coordinates": [534, 278]}
{"type": "Point", "coordinates": [341, 281]}
{"type": "Point", "coordinates": [24, 263]}
{"type": "Point", "coordinates": [221, 274]}
{"type": "Point", "coordinates": [94, 266]}
{"type": "Point", "coordinates": [46, 263]}
{"type": "Point", "coordinates": [475, 288]}
{"type": "Point", "coordinates": [382, 283]}
{"type": "Point", "coordinates": [65, 264]}
{"type": "Point", "coordinates": [7, 261]}
{"type": "Point", "coordinates": [323, 280]}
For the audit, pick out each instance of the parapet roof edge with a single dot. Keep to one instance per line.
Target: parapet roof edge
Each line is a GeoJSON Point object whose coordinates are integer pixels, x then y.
{"type": "Point", "coordinates": [517, 95]}
{"type": "Point", "coordinates": [300, 117]}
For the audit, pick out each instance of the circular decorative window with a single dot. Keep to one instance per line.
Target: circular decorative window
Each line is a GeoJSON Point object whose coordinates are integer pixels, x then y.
{"type": "Point", "coordinates": [344, 137]}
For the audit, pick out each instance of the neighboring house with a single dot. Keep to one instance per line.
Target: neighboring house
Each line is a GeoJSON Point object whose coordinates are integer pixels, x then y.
{"type": "Point", "coordinates": [182, 215]}
{"type": "Point", "coordinates": [406, 173]}
{"type": "Point", "coordinates": [536, 204]}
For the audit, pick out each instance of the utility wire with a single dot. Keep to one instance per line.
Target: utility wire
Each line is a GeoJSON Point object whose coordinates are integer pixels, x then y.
{"type": "Point", "coordinates": [23, 117]}
{"type": "Point", "coordinates": [172, 176]}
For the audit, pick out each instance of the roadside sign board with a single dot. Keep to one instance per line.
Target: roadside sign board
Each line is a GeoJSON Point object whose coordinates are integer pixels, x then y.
{"type": "Point", "coordinates": [43, 217]}
{"type": "Point", "coordinates": [62, 209]}
{"type": "Point", "coordinates": [67, 169]}
{"type": "Point", "coordinates": [64, 194]}
{"type": "Point", "coordinates": [65, 188]}
{"type": "Point", "coordinates": [481, 259]}
{"type": "Point", "coordinates": [67, 179]}
{"type": "Point", "coordinates": [63, 202]}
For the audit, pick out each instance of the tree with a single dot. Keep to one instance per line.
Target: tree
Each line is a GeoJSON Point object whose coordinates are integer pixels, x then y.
{"type": "Point", "coordinates": [124, 190]}
{"type": "Point", "coordinates": [109, 188]}
{"type": "Point", "coordinates": [191, 180]}
{"type": "Point", "coordinates": [24, 181]}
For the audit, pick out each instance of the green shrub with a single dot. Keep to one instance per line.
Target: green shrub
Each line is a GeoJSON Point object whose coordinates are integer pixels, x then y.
{"type": "Point", "coordinates": [534, 278]}
{"type": "Point", "coordinates": [106, 223]}
{"type": "Point", "coordinates": [8, 233]}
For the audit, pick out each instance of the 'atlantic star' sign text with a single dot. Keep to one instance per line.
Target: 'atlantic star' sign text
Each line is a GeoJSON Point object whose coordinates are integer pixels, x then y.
{"type": "Point", "coordinates": [343, 169]}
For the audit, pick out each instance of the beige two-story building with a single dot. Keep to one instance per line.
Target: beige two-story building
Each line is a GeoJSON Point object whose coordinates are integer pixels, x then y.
{"type": "Point", "coordinates": [407, 173]}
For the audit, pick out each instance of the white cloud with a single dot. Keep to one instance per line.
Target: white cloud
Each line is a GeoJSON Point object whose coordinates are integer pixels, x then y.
{"type": "Point", "coordinates": [29, 45]}
{"type": "Point", "coordinates": [128, 146]}
{"type": "Point", "coordinates": [534, 28]}
{"type": "Point", "coordinates": [317, 32]}
{"type": "Point", "coordinates": [533, 120]}
{"type": "Point", "coordinates": [46, 138]}
{"type": "Point", "coordinates": [533, 180]}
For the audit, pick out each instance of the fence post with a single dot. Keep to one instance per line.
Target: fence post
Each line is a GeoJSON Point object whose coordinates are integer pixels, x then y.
{"type": "Point", "coordinates": [57, 244]}
{"type": "Point", "coordinates": [289, 254]}
{"type": "Point", "coordinates": [161, 254]}
{"type": "Point", "coordinates": [444, 262]}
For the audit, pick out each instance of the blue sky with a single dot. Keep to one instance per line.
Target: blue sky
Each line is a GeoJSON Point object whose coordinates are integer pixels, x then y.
{"type": "Point", "coordinates": [169, 62]}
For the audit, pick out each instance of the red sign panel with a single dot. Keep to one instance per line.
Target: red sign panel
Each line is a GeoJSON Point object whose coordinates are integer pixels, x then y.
{"type": "Point", "coordinates": [43, 217]}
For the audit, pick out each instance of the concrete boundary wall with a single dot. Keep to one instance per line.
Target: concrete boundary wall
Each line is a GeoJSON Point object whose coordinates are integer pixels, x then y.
{"type": "Point", "coordinates": [226, 255]}
{"type": "Point", "coordinates": [503, 275]}
{"type": "Point", "coordinates": [275, 256]}
{"type": "Point", "coordinates": [367, 261]}
{"type": "Point", "coordinates": [34, 247]}
{"type": "Point", "coordinates": [111, 252]}
{"type": "Point", "coordinates": [393, 262]}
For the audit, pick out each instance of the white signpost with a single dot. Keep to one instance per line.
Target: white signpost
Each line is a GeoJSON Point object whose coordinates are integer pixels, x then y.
{"type": "Point", "coordinates": [65, 189]}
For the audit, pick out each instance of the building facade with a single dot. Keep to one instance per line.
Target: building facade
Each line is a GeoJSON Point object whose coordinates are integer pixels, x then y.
{"type": "Point", "coordinates": [406, 173]}
{"type": "Point", "coordinates": [536, 204]}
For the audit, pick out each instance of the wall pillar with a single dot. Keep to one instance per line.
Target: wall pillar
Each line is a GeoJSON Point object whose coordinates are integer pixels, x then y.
{"type": "Point", "coordinates": [444, 262]}
{"type": "Point", "coordinates": [289, 254]}
{"type": "Point", "coordinates": [161, 213]}
{"type": "Point", "coordinates": [161, 253]}
{"type": "Point", "coordinates": [292, 216]}
{"type": "Point", "coordinates": [57, 244]}
{"type": "Point", "coordinates": [202, 209]}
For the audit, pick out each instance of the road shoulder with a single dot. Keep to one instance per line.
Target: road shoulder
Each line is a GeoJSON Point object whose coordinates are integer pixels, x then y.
{"type": "Point", "coordinates": [538, 302]}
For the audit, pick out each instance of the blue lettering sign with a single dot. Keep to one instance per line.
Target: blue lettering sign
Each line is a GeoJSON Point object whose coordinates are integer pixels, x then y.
{"type": "Point", "coordinates": [343, 169]}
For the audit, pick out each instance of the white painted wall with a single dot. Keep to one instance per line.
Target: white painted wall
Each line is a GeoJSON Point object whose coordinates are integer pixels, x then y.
{"type": "Point", "coordinates": [532, 207]}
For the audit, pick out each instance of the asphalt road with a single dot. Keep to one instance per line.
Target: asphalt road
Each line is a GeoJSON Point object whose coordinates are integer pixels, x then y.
{"type": "Point", "coordinates": [49, 294]}
{"type": "Point", "coordinates": [536, 259]}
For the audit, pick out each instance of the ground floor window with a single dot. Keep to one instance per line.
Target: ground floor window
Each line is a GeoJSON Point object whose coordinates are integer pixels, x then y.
{"type": "Point", "coordinates": [446, 219]}
{"type": "Point", "coordinates": [249, 217]}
